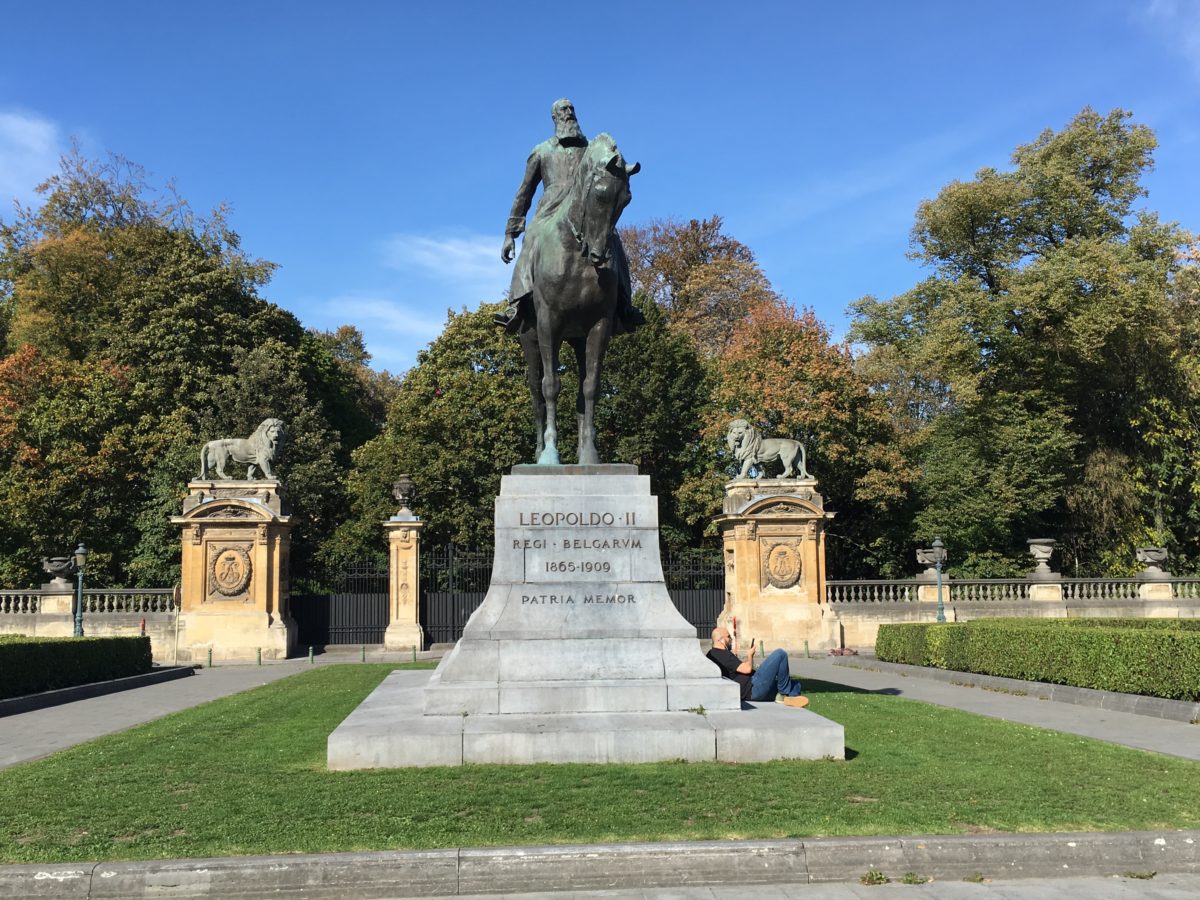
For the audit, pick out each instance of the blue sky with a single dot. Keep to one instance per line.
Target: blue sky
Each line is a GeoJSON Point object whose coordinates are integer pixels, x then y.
{"type": "Point", "coordinates": [372, 149]}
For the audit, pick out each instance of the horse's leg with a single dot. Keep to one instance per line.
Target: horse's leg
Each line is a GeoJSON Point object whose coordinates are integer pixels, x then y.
{"type": "Point", "coordinates": [589, 385]}
{"type": "Point", "coordinates": [533, 379]}
{"type": "Point", "coordinates": [579, 345]}
{"type": "Point", "coordinates": [551, 386]}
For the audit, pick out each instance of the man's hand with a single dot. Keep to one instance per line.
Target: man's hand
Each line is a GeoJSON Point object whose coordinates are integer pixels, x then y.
{"type": "Point", "coordinates": [509, 249]}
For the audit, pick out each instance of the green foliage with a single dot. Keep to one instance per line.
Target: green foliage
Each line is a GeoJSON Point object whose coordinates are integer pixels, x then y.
{"type": "Point", "coordinates": [874, 876]}
{"type": "Point", "coordinates": [1129, 656]}
{"type": "Point", "coordinates": [462, 417]}
{"type": "Point", "coordinates": [32, 665]}
{"type": "Point", "coordinates": [1046, 370]}
{"type": "Point", "coordinates": [135, 332]}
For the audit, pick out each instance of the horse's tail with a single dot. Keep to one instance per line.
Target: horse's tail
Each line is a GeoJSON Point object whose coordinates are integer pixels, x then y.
{"type": "Point", "coordinates": [204, 463]}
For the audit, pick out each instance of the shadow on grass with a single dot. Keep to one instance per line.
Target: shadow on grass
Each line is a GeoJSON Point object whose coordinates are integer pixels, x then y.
{"type": "Point", "coordinates": [816, 686]}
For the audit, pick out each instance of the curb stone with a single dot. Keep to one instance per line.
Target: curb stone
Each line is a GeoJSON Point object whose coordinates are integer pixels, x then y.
{"type": "Point", "coordinates": [1138, 704]}
{"type": "Point", "coordinates": [29, 702]}
{"type": "Point", "coordinates": [363, 876]}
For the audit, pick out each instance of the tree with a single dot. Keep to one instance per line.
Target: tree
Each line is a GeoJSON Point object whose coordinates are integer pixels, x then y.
{"type": "Point", "coordinates": [460, 418]}
{"type": "Point", "coordinates": [704, 280]}
{"type": "Point", "coordinates": [783, 374]}
{"type": "Point", "coordinates": [1047, 336]}
{"type": "Point", "coordinates": [68, 459]}
{"type": "Point", "coordinates": [107, 281]}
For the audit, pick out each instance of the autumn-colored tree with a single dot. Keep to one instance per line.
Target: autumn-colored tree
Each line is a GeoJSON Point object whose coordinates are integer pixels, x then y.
{"type": "Point", "coordinates": [782, 372]}
{"type": "Point", "coordinates": [704, 280]}
{"type": "Point", "coordinates": [128, 287]}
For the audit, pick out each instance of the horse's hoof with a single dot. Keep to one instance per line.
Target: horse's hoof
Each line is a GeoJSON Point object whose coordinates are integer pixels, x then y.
{"type": "Point", "coordinates": [548, 457]}
{"type": "Point", "coordinates": [589, 458]}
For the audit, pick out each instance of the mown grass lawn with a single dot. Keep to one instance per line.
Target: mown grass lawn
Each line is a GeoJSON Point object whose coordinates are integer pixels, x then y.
{"type": "Point", "coordinates": [246, 775]}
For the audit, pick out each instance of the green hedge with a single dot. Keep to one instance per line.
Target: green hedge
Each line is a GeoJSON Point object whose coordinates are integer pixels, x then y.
{"type": "Point", "coordinates": [31, 665]}
{"type": "Point", "coordinates": [1159, 660]}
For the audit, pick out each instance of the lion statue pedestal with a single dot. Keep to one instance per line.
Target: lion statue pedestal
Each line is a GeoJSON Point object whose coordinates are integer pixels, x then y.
{"type": "Point", "coordinates": [773, 531]}
{"type": "Point", "coordinates": [234, 578]}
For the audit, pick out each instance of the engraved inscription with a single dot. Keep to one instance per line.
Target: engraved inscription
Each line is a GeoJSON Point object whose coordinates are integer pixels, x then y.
{"type": "Point", "coordinates": [536, 599]}
{"type": "Point", "coordinates": [581, 519]}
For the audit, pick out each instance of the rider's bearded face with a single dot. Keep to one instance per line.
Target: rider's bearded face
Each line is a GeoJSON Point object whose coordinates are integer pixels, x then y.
{"type": "Point", "coordinates": [565, 123]}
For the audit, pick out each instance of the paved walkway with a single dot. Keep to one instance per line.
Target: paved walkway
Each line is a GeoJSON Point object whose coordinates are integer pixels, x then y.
{"type": "Point", "coordinates": [1142, 732]}
{"type": "Point", "coordinates": [39, 733]}
{"type": "Point", "coordinates": [1161, 887]}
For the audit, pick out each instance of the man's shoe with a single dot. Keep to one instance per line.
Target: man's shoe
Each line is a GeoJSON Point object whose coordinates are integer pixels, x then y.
{"type": "Point", "coordinates": [797, 702]}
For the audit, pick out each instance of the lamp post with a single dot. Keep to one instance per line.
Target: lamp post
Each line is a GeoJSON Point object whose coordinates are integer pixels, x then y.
{"type": "Point", "coordinates": [81, 554]}
{"type": "Point", "coordinates": [939, 558]}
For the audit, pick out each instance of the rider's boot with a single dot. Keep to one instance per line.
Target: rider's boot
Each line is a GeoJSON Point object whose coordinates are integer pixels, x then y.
{"type": "Point", "coordinates": [630, 317]}
{"type": "Point", "coordinates": [509, 318]}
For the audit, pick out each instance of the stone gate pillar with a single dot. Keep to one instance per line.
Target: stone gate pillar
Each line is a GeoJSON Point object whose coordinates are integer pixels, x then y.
{"type": "Point", "coordinates": [404, 571]}
{"type": "Point", "coordinates": [234, 576]}
{"type": "Point", "coordinates": [773, 531]}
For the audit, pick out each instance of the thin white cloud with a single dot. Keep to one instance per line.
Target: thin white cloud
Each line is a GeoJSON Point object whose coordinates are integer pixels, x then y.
{"type": "Point", "coordinates": [458, 259]}
{"type": "Point", "coordinates": [1177, 24]}
{"type": "Point", "coordinates": [30, 146]}
{"type": "Point", "coordinates": [391, 316]}
{"type": "Point", "coordinates": [394, 330]}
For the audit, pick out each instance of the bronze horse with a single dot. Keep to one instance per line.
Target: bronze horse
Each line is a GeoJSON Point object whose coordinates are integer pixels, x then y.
{"type": "Point", "coordinates": [575, 293]}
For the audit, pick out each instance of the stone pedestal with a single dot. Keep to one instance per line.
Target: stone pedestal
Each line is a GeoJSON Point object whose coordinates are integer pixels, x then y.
{"type": "Point", "coordinates": [404, 561]}
{"type": "Point", "coordinates": [773, 531]}
{"type": "Point", "coordinates": [234, 578]}
{"type": "Point", "coordinates": [576, 654]}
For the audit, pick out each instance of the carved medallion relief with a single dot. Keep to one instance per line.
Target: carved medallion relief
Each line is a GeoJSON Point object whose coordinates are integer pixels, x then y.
{"type": "Point", "coordinates": [229, 570]}
{"type": "Point", "coordinates": [781, 564]}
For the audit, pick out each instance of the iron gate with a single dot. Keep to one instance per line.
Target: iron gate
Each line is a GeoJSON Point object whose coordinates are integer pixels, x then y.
{"type": "Point", "coordinates": [696, 583]}
{"type": "Point", "coordinates": [355, 612]}
{"type": "Point", "coordinates": [454, 581]}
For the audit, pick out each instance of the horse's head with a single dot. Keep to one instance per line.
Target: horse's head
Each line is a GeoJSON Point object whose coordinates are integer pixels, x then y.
{"type": "Point", "coordinates": [602, 192]}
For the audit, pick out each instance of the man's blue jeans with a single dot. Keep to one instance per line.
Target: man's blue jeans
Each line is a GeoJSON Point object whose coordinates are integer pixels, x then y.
{"type": "Point", "coordinates": [772, 677]}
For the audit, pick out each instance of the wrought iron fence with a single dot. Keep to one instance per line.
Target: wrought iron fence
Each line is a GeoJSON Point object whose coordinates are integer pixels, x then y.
{"type": "Point", "coordinates": [353, 611]}
{"type": "Point", "coordinates": [696, 583]}
{"type": "Point", "coordinates": [454, 581]}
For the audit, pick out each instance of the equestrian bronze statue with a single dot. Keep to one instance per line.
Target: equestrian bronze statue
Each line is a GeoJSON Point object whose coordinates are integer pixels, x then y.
{"type": "Point", "coordinates": [572, 279]}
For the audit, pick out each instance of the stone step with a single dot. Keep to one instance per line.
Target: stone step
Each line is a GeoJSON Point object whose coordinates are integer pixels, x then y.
{"type": "Point", "coordinates": [593, 696]}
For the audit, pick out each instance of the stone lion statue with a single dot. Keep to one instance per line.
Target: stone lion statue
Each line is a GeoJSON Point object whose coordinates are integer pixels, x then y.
{"type": "Point", "coordinates": [257, 451]}
{"type": "Point", "coordinates": [752, 450]}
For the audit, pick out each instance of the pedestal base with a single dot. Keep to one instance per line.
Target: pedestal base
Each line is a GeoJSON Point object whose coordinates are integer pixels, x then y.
{"type": "Point", "coordinates": [403, 637]}
{"type": "Point", "coordinates": [389, 730]}
{"type": "Point", "coordinates": [576, 654]}
{"type": "Point", "coordinates": [234, 637]}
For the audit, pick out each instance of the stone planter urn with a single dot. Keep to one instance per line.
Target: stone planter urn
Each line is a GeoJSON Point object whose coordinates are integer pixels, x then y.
{"type": "Point", "coordinates": [1154, 559]}
{"type": "Point", "coordinates": [1041, 549]}
{"type": "Point", "coordinates": [928, 558]}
